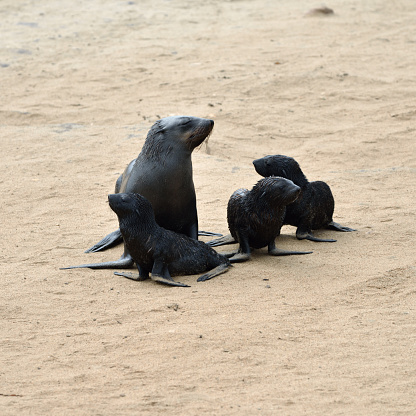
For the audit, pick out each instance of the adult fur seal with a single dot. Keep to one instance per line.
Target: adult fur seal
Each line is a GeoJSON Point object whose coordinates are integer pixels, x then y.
{"type": "Point", "coordinates": [162, 173]}
{"type": "Point", "coordinates": [162, 252]}
{"type": "Point", "coordinates": [255, 217]}
{"type": "Point", "coordinates": [315, 206]}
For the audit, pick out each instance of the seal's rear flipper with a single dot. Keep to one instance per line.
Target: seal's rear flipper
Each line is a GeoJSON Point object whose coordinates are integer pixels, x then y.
{"type": "Point", "coordinates": [110, 240]}
{"type": "Point", "coordinates": [169, 282]}
{"type": "Point", "coordinates": [227, 239]}
{"type": "Point", "coordinates": [304, 235]}
{"type": "Point", "coordinates": [338, 227]}
{"type": "Point", "coordinates": [222, 268]}
{"type": "Point", "coordinates": [280, 252]}
{"type": "Point", "coordinates": [122, 263]}
{"type": "Point", "coordinates": [132, 276]}
{"type": "Point", "coordinates": [209, 233]}
{"type": "Point", "coordinates": [311, 237]}
{"type": "Point", "coordinates": [160, 273]}
{"type": "Point", "coordinates": [274, 251]}
{"type": "Point", "coordinates": [239, 257]}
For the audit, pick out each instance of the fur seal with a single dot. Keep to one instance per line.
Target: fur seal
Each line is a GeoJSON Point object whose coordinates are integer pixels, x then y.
{"type": "Point", "coordinates": [255, 217]}
{"type": "Point", "coordinates": [161, 252]}
{"type": "Point", "coordinates": [315, 206]}
{"type": "Point", "coordinates": [162, 173]}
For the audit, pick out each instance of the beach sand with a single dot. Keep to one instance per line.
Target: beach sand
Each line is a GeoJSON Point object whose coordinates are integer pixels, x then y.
{"type": "Point", "coordinates": [330, 333]}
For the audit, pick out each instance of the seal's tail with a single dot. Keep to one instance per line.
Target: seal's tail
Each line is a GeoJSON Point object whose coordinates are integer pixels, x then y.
{"type": "Point", "coordinates": [108, 241]}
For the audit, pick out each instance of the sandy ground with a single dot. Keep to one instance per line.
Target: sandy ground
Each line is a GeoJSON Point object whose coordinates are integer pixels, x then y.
{"type": "Point", "coordinates": [331, 333]}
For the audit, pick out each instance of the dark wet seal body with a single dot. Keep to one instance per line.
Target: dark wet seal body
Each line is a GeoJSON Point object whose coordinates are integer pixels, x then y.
{"type": "Point", "coordinates": [160, 252]}
{"type": "Point", "coordinates": [255, 217]}
{"type": "Point", "coordinates": [315, 206]}
{"type": "Point", "coordinates": [162, 173]}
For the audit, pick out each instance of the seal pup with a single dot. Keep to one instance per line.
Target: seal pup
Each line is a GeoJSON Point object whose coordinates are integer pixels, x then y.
{"type": "Point", "coordinates": [158, 251]}
{"type": "Point", "coordinates": [162, 173]}
{"type": "Point", "coordinates": [315, 206]}
{"type": "Point", "coordinates": [255, 217]}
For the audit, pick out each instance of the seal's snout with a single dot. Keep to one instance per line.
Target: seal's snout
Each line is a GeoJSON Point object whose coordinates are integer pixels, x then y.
{"type": "Point", "coordinates": [201, 130]}
{"type": "Point", "coordinates": [293, 191]}
{"type": "Point", "coordinates": [260, 165]}
{"type": "Point", "coordinates": [296, 190]}
{"type": "Point", "coordinates": [119, 202]}
{"type": "Point", "coordinates": [291, 187]}
{"type": "Point", "coordinates": [113, 200]}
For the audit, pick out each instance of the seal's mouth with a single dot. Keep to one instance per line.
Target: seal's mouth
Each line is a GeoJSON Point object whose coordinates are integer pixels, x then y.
{"type": "Point", "coordinates": [201, 133]}
{"type": "Point", "coordinates": [296, 194]}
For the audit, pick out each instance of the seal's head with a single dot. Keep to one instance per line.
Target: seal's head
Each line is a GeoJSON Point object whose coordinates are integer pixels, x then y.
{"type": "Point", "coordinates": [276, 189]}
{"type": "Point", "coordinates": [181, 132]}
{"type": "Point", "coordinates": [279, 165]}
{"type": "Point", "coordinates": [127, 204]}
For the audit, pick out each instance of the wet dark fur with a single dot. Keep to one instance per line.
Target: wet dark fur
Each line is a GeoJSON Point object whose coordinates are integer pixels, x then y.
{"type": "Point", "coordinates": [162, 173]}
{"type": "Point", "coordinates": [255, 217]}
{"type": "Point", "coordinates": [315, 206]}
{"type": "Point", "coordinates": [148, 243]}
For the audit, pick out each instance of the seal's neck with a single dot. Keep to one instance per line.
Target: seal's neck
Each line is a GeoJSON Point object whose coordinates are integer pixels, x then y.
{"type": "Point", "coordinates": [159, 149]}
{"type": "Point", "coordinates": [298, 178]}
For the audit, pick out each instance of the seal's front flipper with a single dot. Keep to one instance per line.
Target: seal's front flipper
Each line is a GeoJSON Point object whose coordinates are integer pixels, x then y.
{"type": "Point", "coordinates": [122, 263]}
{"type": "Point", "coordinates": [338, 227]}
{"type": "Point", "coordinates": [110, 240]}
{"type": "Point", "coordinates": [274, 251]}
{"type": "Point", "coordinates": [304, 235]}
{"type": "Point", "coordinates": [227, 239]}
{"type": "Point", "coordinates": [209, 233]}
{"type": "Point", "coordinates": [160, 273]}
{"type": "Point", "coordinates": [222, 268]}
{"type": "Point", "coordinates": [244, 251]}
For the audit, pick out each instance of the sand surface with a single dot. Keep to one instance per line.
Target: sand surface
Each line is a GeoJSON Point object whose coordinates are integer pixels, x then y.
{"type": "Point", "coordinates": [331, 333]}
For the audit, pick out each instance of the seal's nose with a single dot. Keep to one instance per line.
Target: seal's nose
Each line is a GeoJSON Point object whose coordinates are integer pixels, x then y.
{"type": "Point", "coordinates": [111, 199]}
{"type": "Point", "coordinates": [296, 190]}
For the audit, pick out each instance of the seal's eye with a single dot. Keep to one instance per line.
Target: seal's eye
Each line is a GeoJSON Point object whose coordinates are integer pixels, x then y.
{"type": "Point", "coordinates": [185, 121]}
